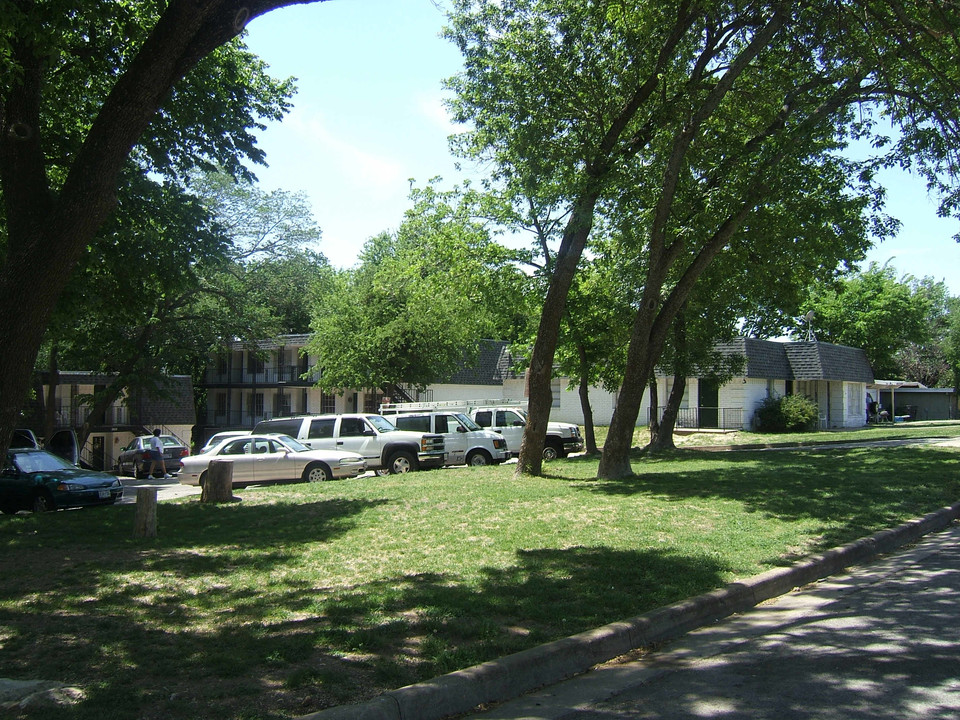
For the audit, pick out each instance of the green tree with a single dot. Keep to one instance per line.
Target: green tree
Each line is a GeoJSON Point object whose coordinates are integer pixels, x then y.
{"type": "Point", "coordinates": [419, 301]}
{"type": "Point", "coordinates": [88, 92]}
{"type": "Point", "coordinates": [710, 111]}
{"type": "Point", "coordinates": [175, 283]}
{"type": "Point", "coordinates": [929, 361]}
{"type": "Point", "coordinates": [874, 311]}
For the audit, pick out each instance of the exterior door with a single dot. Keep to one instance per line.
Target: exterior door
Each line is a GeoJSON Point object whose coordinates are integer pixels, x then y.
{"type": "Point", "coordinates": [708, 404]}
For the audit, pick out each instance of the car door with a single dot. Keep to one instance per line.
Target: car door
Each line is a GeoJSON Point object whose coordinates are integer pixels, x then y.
{"type": "Point", "coordinates": [454, 437]}
{"type": "Point", "coordinates": [271, 461]}
{"type": "Point", "coordinates": [355, 434]}
{"type": "Point", "coordinates": [320, 434]}
{"type": "Point", "coordinates": [240, 454]}
{"type": "Point", "coordinates": [510, 424]}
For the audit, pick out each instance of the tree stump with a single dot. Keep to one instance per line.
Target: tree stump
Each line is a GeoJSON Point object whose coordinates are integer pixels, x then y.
{"type": "Point", "coordinates": [145, 519]}
{"type": "Point", "coordinates": [218, 483]}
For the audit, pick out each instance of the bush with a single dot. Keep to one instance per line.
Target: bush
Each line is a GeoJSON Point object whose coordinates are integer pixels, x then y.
{"type": "Point", "coordinates": [790, 413]}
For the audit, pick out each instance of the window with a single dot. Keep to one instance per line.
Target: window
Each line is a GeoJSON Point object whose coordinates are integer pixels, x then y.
{"type": "Point", "coordinates": [352, 427]}
{"type": "Point", "coordinates": [417, 423]}
{"type": "Point", "coordinates": [484, 418]}
{"type": "Point", "coordinates": [555, 392]}
{"type": "Point", "coordinates": [256, 404]}
{"type": "Point", "coordinates": [322, 428]}
{"type": "Point", "coordinates": [328, 402]}
{"type": "Point", "coordinates": [282, 405]}
{"type": "Point", "coordinates": [371, 402]}
{"type": "Point", "coordinates": [256, 364]}
{"type": "Point", "coordinates": [221, 404]}
{"type": "Point", "coordinates": [237, 447]}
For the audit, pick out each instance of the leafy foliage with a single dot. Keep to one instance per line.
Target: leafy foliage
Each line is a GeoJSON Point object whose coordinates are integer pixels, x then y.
{"type": "Point", "coordinates": [414, 309]}
{"type": "Point", "coordinates": [874, 311]}
{"type": "Point", "coordinates": [787, 413]}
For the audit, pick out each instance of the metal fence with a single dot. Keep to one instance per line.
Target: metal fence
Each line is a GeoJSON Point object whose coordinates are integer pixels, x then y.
{"type": "Point", "coordinates": [261, 376]}
{"type": "Point", "coordinates": [707, 417]}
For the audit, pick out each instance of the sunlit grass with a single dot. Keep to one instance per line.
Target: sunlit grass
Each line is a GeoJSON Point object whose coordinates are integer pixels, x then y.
{"type": "Point", "coordinates": [304, 596]}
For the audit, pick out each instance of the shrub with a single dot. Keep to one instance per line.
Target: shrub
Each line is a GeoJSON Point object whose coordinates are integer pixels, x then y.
{"type": "Point", "coordinates": [790, 413]}
{"type": "Point", "coordinates": [799, 413]}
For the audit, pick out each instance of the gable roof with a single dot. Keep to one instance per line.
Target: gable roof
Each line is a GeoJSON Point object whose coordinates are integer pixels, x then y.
{"type": "Point", "coordinates": [800, 360]}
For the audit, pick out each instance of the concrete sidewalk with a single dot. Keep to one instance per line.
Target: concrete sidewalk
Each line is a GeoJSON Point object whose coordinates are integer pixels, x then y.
{"type": "Point", "coordinates": [877, 642]}
{"type": "Point", "coordinates": [166, 489]}
{"type": "Point", "coordinates": [513, 676]}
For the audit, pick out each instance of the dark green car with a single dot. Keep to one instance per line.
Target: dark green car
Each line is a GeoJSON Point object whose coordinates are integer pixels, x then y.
{"type": "Point", "coordinates": [38, 480]}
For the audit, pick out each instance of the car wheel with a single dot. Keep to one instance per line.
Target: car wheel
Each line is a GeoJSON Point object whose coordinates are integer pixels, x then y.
{"type": "Point", "coordinates": [42, 503]}
{"type": "Point", "coordinates": [382, 472]}
{"type": "Point", "coordinates": [478, 458]}
{"type": "Point", "coordinates": [203, 478]}
{"type": "Point", "coordinates": [402, 462]}
{"type": "Point", "coordinates": [316, 473]}
{"type": "Point", "coordinates": [550, 452]}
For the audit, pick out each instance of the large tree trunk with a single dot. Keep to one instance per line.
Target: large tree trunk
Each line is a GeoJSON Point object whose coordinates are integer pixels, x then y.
{"type": "Point", "coordinates": [46, 233]}
{"type": "Point", "coordinates": [589, 433]}
{"type": "Point", "coordinates": [654, 411]}
{"type": "Point", "coordinates": [575, 236]}
{"type": "Point", "coordinates": [664, 439]}
{"type": "Point", "coordinates": [50, 404]}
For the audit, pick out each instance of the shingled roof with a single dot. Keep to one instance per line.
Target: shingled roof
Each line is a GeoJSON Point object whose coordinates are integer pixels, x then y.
{"type": "Point", "coordinates": [800, 360]}
{"type": "Point", "coordinates": [493, 366]}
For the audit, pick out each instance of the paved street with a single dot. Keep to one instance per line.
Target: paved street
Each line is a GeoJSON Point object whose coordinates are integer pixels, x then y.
{"type": "Point", "coordinates": [880, 642]}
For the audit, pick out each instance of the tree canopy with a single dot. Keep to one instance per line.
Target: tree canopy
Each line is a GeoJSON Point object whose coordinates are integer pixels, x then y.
{"type": "Point", "coordinates": [420, 300]}
{"type": "Point", "coordinates": [702, 115]}
{"type": "Point", "coordinates": [92, 91]}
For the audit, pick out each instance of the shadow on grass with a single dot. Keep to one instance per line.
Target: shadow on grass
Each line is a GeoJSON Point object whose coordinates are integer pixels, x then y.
{"type": "Point", "coordinates": [853, 492]}
{"type": "Point", "coordinates": [331, 646]}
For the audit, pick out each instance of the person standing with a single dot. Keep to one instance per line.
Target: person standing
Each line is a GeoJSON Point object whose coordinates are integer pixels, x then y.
{"type": "Point", "coordinates": [156, 456]}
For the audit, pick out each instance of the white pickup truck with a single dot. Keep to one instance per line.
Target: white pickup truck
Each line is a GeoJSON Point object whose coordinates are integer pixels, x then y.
{"type": "Point", "coordinates": [504, 417]}
{"type": "Point", "coordinates": [465, 442]}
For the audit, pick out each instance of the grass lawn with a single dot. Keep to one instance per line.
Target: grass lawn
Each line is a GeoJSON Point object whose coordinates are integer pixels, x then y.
{"type": "Point", "coordinates": [304, 596]}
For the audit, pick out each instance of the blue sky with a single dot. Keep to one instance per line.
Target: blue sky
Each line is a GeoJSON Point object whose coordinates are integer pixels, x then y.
{"type": "Point", "coordinates": [368, 118]}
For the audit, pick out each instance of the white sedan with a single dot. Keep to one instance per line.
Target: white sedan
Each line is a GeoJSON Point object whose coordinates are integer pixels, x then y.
{"type": "Point", "coordinates": [263, 458]}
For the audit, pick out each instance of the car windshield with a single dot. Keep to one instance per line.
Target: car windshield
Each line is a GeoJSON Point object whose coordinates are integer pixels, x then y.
{"type": "Point", "coordinates": [381, 423]}
{"type": "Point", "coordinates": [467, 422]}
{"type": "Point", "coordinates": [40, 462]}
{"type": "Point", "coordinates": [292, 443]}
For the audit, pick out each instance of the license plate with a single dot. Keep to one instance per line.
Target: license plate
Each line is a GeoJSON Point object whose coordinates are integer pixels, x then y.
{"type": "Point", "coordinates": [104, 494]}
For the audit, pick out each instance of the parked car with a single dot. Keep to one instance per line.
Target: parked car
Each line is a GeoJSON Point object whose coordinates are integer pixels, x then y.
{"type": "Point", "coordinates": [270, 457]}
{"type": "Point", "coordinates": [38, 480]}
{"type": "Point", "coordinates": [385, 448]}
{"type": "Point", "coordinates": [216, 438]}
{"type": "Point", "coordinates": [134, 459]}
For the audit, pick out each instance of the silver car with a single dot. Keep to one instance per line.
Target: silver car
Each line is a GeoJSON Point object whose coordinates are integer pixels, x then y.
{"type": "Point", "coordinates": [265, 458]}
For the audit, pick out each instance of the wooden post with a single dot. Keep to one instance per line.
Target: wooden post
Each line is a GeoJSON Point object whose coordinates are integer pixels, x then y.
{"type": "Point", "coordinates": [145, 519]}
{"type": "Point", "coordinates": [218, 482]}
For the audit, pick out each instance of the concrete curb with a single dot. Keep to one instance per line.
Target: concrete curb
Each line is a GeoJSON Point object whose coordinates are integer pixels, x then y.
{"type": "Point", "coordinates": [515, 675]}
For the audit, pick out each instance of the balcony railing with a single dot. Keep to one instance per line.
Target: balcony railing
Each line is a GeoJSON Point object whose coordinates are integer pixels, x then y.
{"type": "Point", "coordinates": [73, 415]}
{"type": "Point", "coordinates": [267, 376]}
{"type": "Point", "coordinates": [707, 417]}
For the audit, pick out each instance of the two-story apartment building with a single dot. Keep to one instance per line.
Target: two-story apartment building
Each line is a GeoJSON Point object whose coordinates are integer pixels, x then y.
{"type": "Point", "coordinates": [172, 409]}
{"type": "Point", "coordinates": [275, 378]}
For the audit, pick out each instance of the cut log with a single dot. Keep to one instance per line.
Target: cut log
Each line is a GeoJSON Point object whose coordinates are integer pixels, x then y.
{"type": "Point", "coordinates": [145, 518]}
{"type": "Point", "coordinates": [218, 483]}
